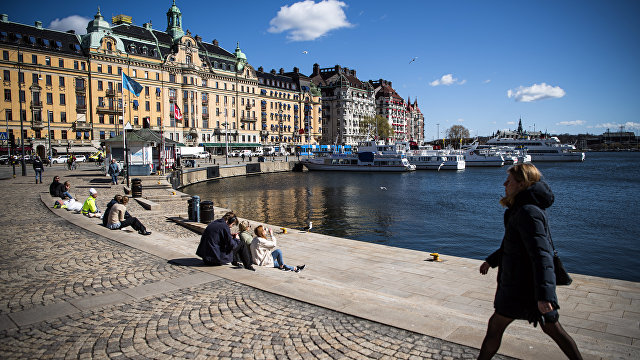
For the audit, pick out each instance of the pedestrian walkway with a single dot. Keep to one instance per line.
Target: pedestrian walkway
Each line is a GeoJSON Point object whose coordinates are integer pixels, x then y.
{"type": "Point", "coordinates": [353, 299]}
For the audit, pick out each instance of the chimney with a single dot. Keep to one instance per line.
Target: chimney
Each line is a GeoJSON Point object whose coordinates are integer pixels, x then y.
{"type": "Point", "coordinates": [273, 71]}
{"type": "Point", "coordinates": [316, 69]}
{"type": "Point", "coordinates": [39, 24]}
{"type": "Point", "coordinates": [261, 69]}
{"type": "Point", "coordinates": [147, 25]}
{"type": "Point", "coordinates": [215, 42]}
{"type": "Point", "coordinates": [4, 18]}
{"type": "Point", "coordinates": [281, 72]}
{"type": "Point", "coordinates": [296, 70]}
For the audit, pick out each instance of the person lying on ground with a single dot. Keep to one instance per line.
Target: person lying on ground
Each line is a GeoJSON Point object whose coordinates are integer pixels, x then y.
{"type": "Point", "coordinates": [264, 252]}
{"type": "Point", "coordinates": [118, 221]}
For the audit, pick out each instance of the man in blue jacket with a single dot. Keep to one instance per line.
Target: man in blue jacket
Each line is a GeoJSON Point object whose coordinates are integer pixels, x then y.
{"type": "Point", "coordinates": [217, 244]}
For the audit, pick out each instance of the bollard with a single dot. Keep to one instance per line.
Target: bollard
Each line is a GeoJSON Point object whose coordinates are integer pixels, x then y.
{"type": "Point", "coordinates": [194, 214]}
{"type": "Point", "coordinates": [206, 211]}
{"type": "Point", "coordinates": [136, 187]}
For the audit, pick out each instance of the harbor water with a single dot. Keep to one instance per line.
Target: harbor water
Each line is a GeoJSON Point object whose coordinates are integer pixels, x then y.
{"type": "Point", "coordinates": [595, 222]}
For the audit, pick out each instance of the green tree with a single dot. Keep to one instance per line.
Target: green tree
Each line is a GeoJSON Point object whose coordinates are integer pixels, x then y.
{"type": "Point", "coordinates": [457, 133]}
{"type": "Point", "coordinates": [378, 126]}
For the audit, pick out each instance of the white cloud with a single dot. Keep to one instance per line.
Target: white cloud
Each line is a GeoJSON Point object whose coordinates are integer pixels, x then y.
{"type": "Point", "coordinates": [307, 20]}
{"type": "Point", "coordinates": [535, 92]}
{"type": "Point", "coordinates": [447, 79]}
{"type": "Point", "coordinates": [486, 81]}
{"type": "Point", "coordinates": [629, 125]}
{"type": "Point", "coordinates": [511, 122]}
{"type": "Point", "coordinates": [572, 123]}
{"type": "Point", "coordinates": [72, 22]}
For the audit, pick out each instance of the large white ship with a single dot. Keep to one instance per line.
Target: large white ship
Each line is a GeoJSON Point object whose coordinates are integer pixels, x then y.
{"type": "Point", "coordinates": [542, 149]}
{"type": "Point", "coordinates": [371, 156]}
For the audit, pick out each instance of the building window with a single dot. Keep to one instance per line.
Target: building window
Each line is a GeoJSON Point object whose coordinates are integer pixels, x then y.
{"type": "Point", "coordinates": [158, 106]}
{"type": "Point", "coordinates": [112, 119]}
{"type": "Point", "coordinates": [109, 69]}
{"type": "Point", "coordinates": [6, 75]}
{"type": "Point", "coordinates": [21, 77]}
{"type": "Point", "coordinates": [47, 60]}
{"type": "Point", "coordinates": [147, 106]}
{"type": "Point", "coordinates": [101, 119]}
{"type": "Point", "coordinates": [61, 81]}
{"type": "Point", "coordinates": [188, 59]}
{"type": "Point", "coordinates": [172, 78]}
{"type": "Point", "coordinates": [49, 98]}
{"type": "Point", "coordinates": [48, 80]}
{"type": "Point", "coordinates": [99, 68]}
{"type": "Point", "coordinates": [5, 55]}
{"type": "Point", "coordinates": [7, 94]}
{"type": "Point", "coordinates": [100, 85]}
{"type": "Point", "coordinates": [134, 73]}
{"type": "Point", "coordinates": [35, 78]}
{"type": "Point", "coordinates": [8, 115]}
{"type": "Point", "coordinates": [63, 116]}
{"type": "Point", "coordinates": [21, 95]}
{"type": "Point", "coordinates": [146, 91]}
{"type": "Point", "coordinates": [34, 59]}
{"type": "Point", "coordinates": [63, 134]}
{"type": "Point", "coordinates": [52, 134]}
{"type": "Point", "coordinates": [102, 135]}
{"type": "Point", "coordinates": [159, 121]}
{"type": "Point", "coordinates": [63, 99]}
{"type": "Point", "coordinates": [76, 65]}
{"type": "Point", "coordinates": [135, 120]}
{"type": "Point", "coordinates": [61, 63]}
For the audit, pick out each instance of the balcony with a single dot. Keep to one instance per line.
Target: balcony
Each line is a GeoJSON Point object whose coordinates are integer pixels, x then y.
{"type": "Point", "coordinates": [81, 108]}
{"type": "Point", "coordinates": [37, 125]}
{"type": "Point", "coordinates": [81, 89]}
{"type": "Point", "coordinates": [248, 119]}
{"type": "Point", "coordinates": [110, 92]}
{"type": "Point", "coordinates": [82, 126]}
{"type": "Point", "coordinates": [35, 105]}
{"type": "Point", "coordinates": [113, 109]}
{"type": "Point", "coordinates": [264, 132]}
{"type": "Point", "coordinates": [248, 107]}
{"type": "Point", "coordinates": [205, 116]}
{"type": "Point", "coordinates": [205, 101]}
{"type": "Point", "coordinates": [172, 98]}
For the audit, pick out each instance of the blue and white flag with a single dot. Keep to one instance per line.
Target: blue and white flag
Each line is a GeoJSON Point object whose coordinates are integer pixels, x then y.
{"type": "Point", "coordinates": [131, 85]}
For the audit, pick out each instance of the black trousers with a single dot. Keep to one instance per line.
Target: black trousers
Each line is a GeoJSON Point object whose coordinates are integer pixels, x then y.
{"type": "Point", "coordinates": [242, 254]}
{"type": "Point", "coordinates": [134, 223]}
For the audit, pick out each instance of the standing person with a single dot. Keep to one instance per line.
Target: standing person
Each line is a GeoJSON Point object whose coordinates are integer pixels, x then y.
{"type": "Point", "coordinates": [526, 279]}
{"type": "Point", "coordinates": [216, 244]}
{"type": "Point", "coordinates": [38, 167]}
{"type": "Point", "coordinates": [89, 207]}
{"type": "Point", "coordinates": [117, 218]}
{"type": "Point", "coordinates": [114, 171]}
{"type": "Point", "coordinates": [264, 252]}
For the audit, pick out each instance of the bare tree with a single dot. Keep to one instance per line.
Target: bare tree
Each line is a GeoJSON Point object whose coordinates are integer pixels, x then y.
{"type": "Point", "coordinates": [456, 133]}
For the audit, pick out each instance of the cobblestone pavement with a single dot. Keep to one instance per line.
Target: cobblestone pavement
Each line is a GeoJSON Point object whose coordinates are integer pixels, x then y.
{"type": "Point", "coordinates": [46, 260]}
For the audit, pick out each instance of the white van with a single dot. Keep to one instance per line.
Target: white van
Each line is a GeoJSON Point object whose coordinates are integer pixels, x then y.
{"type": "Point", "coordinates": [246, 153]}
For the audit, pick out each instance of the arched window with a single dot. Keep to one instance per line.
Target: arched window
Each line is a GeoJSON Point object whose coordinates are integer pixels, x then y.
{"type": "Point", "coordinates": [109, 46]}
{"type": "Point", "coordinates": [188, 59]}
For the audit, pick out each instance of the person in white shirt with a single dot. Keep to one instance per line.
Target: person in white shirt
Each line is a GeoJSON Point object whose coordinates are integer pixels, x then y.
{"type": "Point", "coordinates": [264, 252]}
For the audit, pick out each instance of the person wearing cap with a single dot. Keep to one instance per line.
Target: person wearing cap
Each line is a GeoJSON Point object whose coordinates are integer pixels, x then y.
{"type": "Point", "coordinates": [89, 207]}
{"type": "Point", "coordinates": [216, 244]}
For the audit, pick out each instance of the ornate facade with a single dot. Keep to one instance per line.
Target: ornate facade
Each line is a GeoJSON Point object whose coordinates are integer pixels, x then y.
{"type": "Point", "coordinates": [346, 101]}
{"type": "Point", "coordinates": [220, 96]}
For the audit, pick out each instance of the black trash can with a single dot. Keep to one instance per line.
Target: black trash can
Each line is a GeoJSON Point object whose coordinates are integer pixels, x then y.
{"type": "Point", "coordinates": [206, 211]}
{"type": "Point", "coordinates": [136, 188]}
{"type": "Point", "coordinates": [193, 209]}
{"type": "Point", "coordinates": [190, 212]}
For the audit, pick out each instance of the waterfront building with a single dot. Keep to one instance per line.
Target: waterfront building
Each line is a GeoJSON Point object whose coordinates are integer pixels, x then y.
{"type": "Point", "coordinates": [346, 101]}
{"type": "Point", "coordinates": [393, 107]}
{"type": "Point", "coordinates": [415, 122]}
{"type": "Point", "coordinates": [194, 92]}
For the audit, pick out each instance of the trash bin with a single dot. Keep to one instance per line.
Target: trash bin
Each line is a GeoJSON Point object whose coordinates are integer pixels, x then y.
{"type": "Point", "coordinates": [206, 212]}
{"type": "Point", "coordinates": [136, 188]}
{"type": "Point", "coordinates": [194, 208]}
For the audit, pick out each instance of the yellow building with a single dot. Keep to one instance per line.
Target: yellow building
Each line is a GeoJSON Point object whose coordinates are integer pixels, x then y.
{"type": "Point", "coordinates": [73, 84]}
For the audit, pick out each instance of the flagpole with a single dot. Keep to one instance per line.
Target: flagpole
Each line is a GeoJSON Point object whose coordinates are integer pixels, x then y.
{"type": "Point", "coordinates": [124, 131]}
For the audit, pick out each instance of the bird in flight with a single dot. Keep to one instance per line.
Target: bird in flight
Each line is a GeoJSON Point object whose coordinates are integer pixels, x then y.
{"type": "Point", "coordinates": [383, 188]}
{"type": "Point", "coordinates": [412, 60]}
{"type": "Point", "coordinates": [305, 52]}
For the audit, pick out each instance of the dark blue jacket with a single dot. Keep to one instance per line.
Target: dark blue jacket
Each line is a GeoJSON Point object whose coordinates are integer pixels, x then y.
{"type": "Point", "coordinates": [525, 256]}
{"type": "Point", "coordinates": [217, 244]}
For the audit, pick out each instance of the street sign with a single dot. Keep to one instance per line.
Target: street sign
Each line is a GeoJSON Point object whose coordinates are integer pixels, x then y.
{"type": "Point", "coordinates": [4, 136]}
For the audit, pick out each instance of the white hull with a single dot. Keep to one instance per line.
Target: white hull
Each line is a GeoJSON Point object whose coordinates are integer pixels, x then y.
{"type": "Point", "coordinates": [367, 168]}
{"type": "Point", "coordinates": [437, 162]}
{"type": "Point", "coordinates": [484, 163]}
{"type": "Point", "coordinates": [548, 149]}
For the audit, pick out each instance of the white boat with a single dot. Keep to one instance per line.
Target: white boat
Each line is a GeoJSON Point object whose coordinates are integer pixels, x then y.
{"type": "Point", "coordinates": [371, 156]}
{"type": "Point", "coordinates": [475, 156]}
{"type": "Point", "coordinates": [435, 160]}
{"type": "Point", "coordinates": [547, 149]}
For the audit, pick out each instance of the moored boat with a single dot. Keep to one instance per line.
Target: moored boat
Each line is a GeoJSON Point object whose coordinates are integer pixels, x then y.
{"type": "Point", "coordinates": [435, 160]}
{"type": "Point", "coordinates": [542, 149]}
{"type": "Point", "coordinates": [370, 157]}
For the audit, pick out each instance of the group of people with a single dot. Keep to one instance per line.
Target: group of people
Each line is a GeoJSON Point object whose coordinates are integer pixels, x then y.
{"type": "Point", "coordinates": [218, 246]}
{"type": "Point", "coordinates": [114, 217]}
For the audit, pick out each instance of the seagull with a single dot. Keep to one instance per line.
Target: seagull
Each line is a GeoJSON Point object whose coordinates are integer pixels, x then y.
{"type": "Point", "coordinates": [383, 188]}
{"type": "Point", "coordinates": [412, 60]}
{"type": "Point", "coordinates": [308, 228]}
{"type": "Point", "coordinates": [305, 52]}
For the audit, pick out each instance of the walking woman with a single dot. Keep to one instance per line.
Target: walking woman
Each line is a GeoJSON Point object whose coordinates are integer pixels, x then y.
{"type": "Point", "coordinates": [526, 279]}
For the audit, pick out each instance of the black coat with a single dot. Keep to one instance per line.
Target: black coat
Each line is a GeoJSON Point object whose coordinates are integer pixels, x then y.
{"type": "Point", "coordinates": [55, 188]}
{"type": "Point", "coordinates": [525, 256]}
{"type": "Point", "coordinates": [217, 244]}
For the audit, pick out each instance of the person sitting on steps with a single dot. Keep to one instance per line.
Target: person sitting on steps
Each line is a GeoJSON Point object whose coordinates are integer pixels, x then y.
{"type": "Point", "coordinates": [117, 219]}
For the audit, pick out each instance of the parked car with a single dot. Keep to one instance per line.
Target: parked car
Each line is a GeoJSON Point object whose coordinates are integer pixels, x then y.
{"type": "Point", "coordinates": [234, 153]}
{"type": "Point", "coordinates": [246, 153]}
{"type": "Point", "coordinates": [202, 155]}
{"type": "Point", "coordinates": [258, 152]}
{"type": "Point", "coordinates": [81, 158]}
{"type": "Point", "coordinates": [4, 159]}
{"type": "Point", "coordinates": [62, 159]}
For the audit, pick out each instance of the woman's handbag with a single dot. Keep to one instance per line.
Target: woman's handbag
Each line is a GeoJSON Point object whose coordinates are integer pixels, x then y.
{"type": "Point", "coordinates": [562, 276]}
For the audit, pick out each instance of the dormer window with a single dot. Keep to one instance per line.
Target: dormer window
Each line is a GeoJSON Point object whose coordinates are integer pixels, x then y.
{"type": "Point", "coordinates": [144, 50]}
{"type": "Point", "coordinates": [76, 47]}
{"type": "Point", "coordinates": [31, 40]}
{"type": "Point", "coordinates": [109, 46]}
{"type": "Point", "coordinates": [188, 59]}
{"type": "Point", "coordinates": [188, 43]}
{"type": "Point", "coordinates": [132, 48]}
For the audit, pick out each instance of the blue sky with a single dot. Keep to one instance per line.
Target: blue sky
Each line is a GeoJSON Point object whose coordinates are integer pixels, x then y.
{"type": "Point", "coordinates": [562, 66]}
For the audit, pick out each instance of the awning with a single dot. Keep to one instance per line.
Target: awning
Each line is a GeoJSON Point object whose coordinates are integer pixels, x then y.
{"type": "Point", "coordinates": [221, 145]}
{"type": "Point", "coordinates": [75, 149]}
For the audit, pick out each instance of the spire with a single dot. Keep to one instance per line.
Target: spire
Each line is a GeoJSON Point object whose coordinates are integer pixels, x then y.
{"type": "Point", "coordinates": [98, 14]}
{"type": "Point", "coordinates": [174, 22]}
